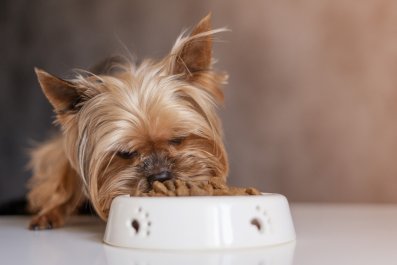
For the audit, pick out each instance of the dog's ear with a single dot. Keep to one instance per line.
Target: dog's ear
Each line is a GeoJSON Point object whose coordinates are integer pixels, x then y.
{"type": "Point", "coordinates": [195, 54]}
{"type": "Point", "coordinates": [192, 59]}
{"type": "Point", "coordinates": [63, 95]}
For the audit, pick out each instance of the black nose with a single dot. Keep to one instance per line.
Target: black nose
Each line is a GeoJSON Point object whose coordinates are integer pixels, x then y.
{"type": "Point", "coordinates": [162, 176]}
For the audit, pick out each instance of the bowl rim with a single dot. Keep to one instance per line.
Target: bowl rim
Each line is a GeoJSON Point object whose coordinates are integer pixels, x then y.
{"type": "Point", "coordinates": [201, 198]}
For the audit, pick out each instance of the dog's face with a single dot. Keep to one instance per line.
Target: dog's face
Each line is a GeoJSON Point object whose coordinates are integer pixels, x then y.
{"type": "Point", "coordinates": [130, 126]}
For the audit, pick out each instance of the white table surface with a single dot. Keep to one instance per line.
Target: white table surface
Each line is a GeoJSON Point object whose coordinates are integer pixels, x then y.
{"type": "Point", "coordinates": [326, 234]}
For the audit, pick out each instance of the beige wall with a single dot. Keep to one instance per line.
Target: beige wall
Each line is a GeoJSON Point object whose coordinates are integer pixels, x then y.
{"type": "Point", "coordinates": [312, 101]}
{"type": "Point", "coordinates": [311, 106]}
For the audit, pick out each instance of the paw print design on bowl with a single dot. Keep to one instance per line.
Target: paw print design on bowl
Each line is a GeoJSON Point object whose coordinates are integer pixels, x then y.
{"type": "Point", "coordinates": [262, 221]}
{"type": "Point", "coordinates": [140, 223]}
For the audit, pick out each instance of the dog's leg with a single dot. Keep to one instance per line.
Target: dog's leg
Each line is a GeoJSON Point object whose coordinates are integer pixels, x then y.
{"type": "Point", "coordinates": [55, 188]}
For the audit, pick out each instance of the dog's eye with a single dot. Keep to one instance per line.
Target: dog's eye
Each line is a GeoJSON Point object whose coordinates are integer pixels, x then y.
{"type": "Point", "coordinates": [176, 141]}
{"type": "Point", "coordinates": [127, 154]}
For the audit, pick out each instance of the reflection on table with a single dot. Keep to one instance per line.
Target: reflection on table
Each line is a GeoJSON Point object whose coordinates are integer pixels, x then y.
{"type": "Point", "coordinates": [276, 255]}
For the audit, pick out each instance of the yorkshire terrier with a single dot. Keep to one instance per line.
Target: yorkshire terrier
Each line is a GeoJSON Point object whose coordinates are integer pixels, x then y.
{"type": "Point", "coordinates": [124, 126]}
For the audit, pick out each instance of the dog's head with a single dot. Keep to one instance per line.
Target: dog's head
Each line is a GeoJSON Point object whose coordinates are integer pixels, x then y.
{"type": "Point", "coordinates": [126, 126]}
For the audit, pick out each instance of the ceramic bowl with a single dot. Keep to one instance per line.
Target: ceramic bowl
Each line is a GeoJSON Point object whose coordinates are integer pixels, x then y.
{"type": "Point", "coordinates": [199, 223]}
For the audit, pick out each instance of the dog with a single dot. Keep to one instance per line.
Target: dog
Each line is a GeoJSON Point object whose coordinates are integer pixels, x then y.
{"type": "Point", "coordinates": [124, 126]}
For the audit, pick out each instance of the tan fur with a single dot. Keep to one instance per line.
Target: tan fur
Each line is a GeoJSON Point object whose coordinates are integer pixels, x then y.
{"type": "Point", "coordinates": [160, 114]}
{"type": "Point", "coordinates": [55, 186]}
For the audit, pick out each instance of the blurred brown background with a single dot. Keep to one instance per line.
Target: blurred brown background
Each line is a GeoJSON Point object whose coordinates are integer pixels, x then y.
{"type": "Point", "coordinates": [310, 109]}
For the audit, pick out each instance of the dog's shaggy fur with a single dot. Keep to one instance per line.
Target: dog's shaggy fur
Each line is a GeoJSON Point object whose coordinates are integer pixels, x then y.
{"type": "Point", "coordinates": [124, 126]}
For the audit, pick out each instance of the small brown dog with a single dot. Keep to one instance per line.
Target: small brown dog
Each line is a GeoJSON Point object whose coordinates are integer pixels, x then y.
{"type": "Point", "coordinates": [126, 126]}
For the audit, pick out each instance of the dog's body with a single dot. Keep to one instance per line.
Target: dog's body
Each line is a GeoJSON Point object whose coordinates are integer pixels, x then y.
{"type": "Point", "coordinates": [125, 126]}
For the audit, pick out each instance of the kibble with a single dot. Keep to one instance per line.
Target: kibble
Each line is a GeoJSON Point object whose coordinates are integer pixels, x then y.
{"type": "Point", "coordinates": [213, 187]}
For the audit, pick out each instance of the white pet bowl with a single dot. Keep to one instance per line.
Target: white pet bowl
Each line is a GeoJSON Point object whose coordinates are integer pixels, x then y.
{"type": "Point", "coordinates": [199, 223]}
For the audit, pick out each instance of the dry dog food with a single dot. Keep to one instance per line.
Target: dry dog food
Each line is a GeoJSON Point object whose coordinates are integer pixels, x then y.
{"type": "Point", "coordinates": [213, 187]}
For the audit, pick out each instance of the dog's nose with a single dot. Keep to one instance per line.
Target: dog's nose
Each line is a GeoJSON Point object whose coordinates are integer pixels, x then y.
{"type": "Point", "coordinates": [162, 176]}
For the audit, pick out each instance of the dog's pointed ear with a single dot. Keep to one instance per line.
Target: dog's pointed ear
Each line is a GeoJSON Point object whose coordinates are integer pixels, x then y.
{"type": "Point", "coordinates": [192, 59]}
{"type": "Point", "coordinates": [63, 95]}
{"type": "Point", "coordinates": [194, 54]}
